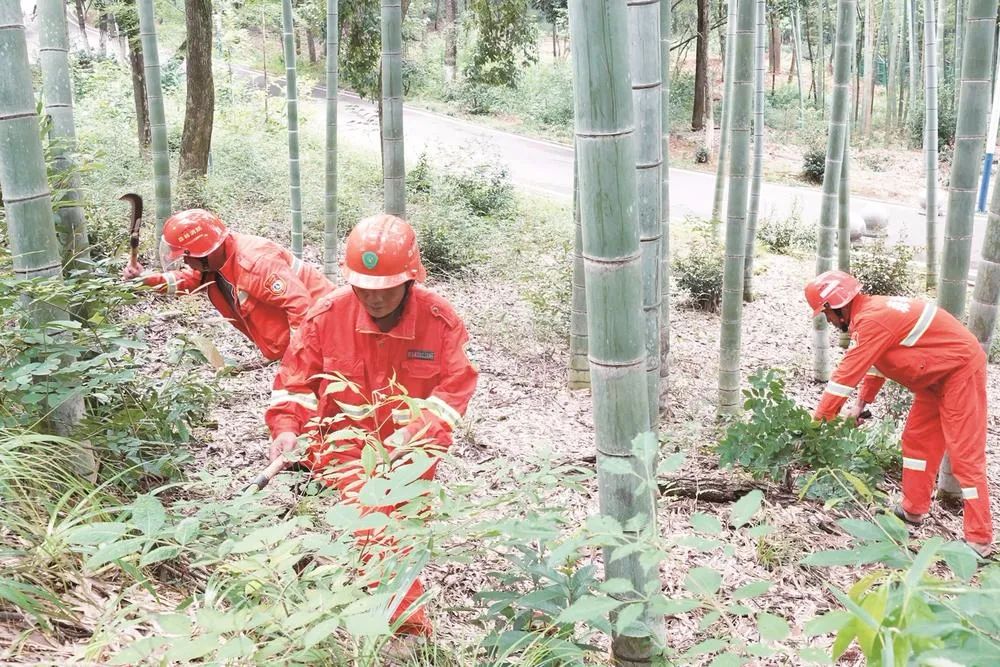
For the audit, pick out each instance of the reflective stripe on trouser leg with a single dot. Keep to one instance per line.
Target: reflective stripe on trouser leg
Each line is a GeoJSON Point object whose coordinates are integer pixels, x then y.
{"type": "Point", "coordinates": [963, 418]}
{"type": "Point", "coordinates": [923, 447]}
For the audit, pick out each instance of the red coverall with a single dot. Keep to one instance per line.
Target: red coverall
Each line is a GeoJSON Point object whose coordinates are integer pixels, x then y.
{"type": "Point", "coordinates": [426, 353]}
{"type": "Point", "coordinates": [262, 289]}
{"type": "Point", "coordinates": [928, 351]}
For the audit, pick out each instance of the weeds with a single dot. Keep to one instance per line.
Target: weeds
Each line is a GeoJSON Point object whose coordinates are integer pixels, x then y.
{"type": "Point", "coordinates": [885, 269]}
{"type": "Point", "coordinates": [699, 271]}
{"type": "Point", "coordinates": [784, 236]}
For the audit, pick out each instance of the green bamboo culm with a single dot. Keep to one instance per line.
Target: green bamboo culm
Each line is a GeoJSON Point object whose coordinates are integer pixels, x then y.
{"type": "Point", "coordinates": [606, 161]}
{"type": "Point", "coordinates": [727, 94]}
{"type": "Point", "coordinates": [579, 366]}
{"type": "Point", "coordinates": [931, 139]}
{"type": "Point", "coordinates": [797, 37]}
{"type": "Point", "coordinates": [742, 50]}
{"type": "Point", "coordinates": [157, 117]}
{"type": "Point", "coordinates": [986, 295]}
{"type": "Point", "coordinates": [57, 93]}
{"type": "Point", "coordinates": [393, 163]}
{"type": "Point", "coordinates": [758, 150]}
{"type": "Point", "coordinates": [644, 29]}
{"type": "Point", "coordinates": [959, 27]}
{"type": "Point", "coordinates": [867, 58]}
{"type": "Point", "coordinates": [292, 105]}
{"type": "Point", "coordinates": [836, 140]}
{"type": "Point", "coordinates": [844, 206]}
{"type": "Point", "coordinates": [822, 58]}
{"type": "Point", "coordinates": [27, 201]}
{"type": "Point", "coordinates": [665, 28]}
{"type": "Point", "coordinates": [891, 89]}
{"type": "Point", "coordinates": [970, 136]}
{"type": "Point", "coordinates": [914, 60]}
{"type": "Point", "coordinates": [330, 232]}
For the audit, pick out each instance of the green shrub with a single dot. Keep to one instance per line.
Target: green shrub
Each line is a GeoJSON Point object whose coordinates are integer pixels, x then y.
{"type": "Point", "coordinates": [681, 99]}
{"type": "Point", "coordinates": [885, 269]}
{"type": "Point", "coordinates": [450, 239]}
{"type": "Point", "coordinates": [698, 271]}
{"type": "Point", "coordinates": [779, 438]}
{"type": "Point", "coordinates": [475, 98]}
{"type": "Point", "coordinates": [701, 155]}
{"type": "Point", "coordinates": [547, 286]}
{"type": "Point", "coordinates": [946, 121]}
{"type": "Point", "coordinates": [783, 236]}
{"type": "Point", "coordinates": [484, 188]}
{"type": "Point", "coordinates": [814, 165]}
{"type": "Point", "coordinates": [544, 96]}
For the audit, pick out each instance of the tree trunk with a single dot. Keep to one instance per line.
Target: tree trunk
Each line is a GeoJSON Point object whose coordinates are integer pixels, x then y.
{"type": "Point", "coordinates": [797, 37]}
{"type": "Point", "coordinates": [775, 50]}
{"type": "Point", "coordinates": [758, 150]}
{"type": "Point", "coordinates": [292, 101]}
{"type": "Point", "coordinates": [53, 43]}
{"type": "Point", "coordinates": [700, 69]}
{"type": "Point", "coordinates": [844, 215]}
{"type": "Point", "coordinates": [102, 40]}
{"type": "Point", "coordinates": [604, 118]}
{"type": "Point", "coordinates": [450, 40]}
{"type": "Point", "coordinates": [822, 57]}
{"type": "Point", "coordinates": [959, 34]}
{"type": "Point", "coordinates": [665, 38]}
{"type": "Point", "coordinates": [81, 20]}
{"type": "Point", "coordinates": [931, 139]}
{"type": "Point", "coordinates": [139, 93]}
{"type": "Point", "coordinates": [199, 112]}
{"type": "Point", "coordinates": [727, 114]}
{"type": "Point", "coordinates": [869, 80]}
{"type": "Point", "coordinates": [914, 60]}
{"type": "Point", "coordinates": [27, 202]}
{"type": "Point", "coordinates": [739, 173]}
{"type": "Point", "coordinates": [330, 222]}
{"type": "Point", "coordinates": [647, 97]}
{"type": "Point", "coordinates": [579, 366]}
{"type": "Point", "coordinates": [311, 46]}
{"type": "Point", "coordinates": [157, 120]}
{"type": "Point", "coordinates": [970, 133]}
{"type": "Point", "coordinates": [393, 166]}
{"type": "Point", "coordinates": [986, 296]}
{"type": "Point", "coordinates": [892, 90]}
{"type": "Point", "coordinates": [813, 88]}
{"type": "Point", "coordinates": [836, 140]}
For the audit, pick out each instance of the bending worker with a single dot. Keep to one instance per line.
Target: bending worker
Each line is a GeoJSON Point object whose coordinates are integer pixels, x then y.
{"type": "Point", "coordinates": [928, 351]}
{"type": "Point", "coordinates": [382, 331]}
{"type": "Point", "coordinates": [253, 282]}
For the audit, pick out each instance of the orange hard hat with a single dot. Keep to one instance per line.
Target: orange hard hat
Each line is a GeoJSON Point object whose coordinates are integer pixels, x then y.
{"type": "Point", "coordinates": [194, 232]}
{"type": "Point", "coordinates": [831, 288]}
{"type": "Point", "coordinates": [382, 252]}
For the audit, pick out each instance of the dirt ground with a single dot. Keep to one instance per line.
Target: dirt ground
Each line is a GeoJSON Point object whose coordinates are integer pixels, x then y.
{"type": "Point", "coordinates": [522, 406]}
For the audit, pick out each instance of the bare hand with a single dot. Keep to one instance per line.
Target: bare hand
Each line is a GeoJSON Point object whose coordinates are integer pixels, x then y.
{"type": "Point", "coordinates": [132, 271]}
{"type": "Point", "coordinates": [855, 413]}
{"type": "Point", "coordinates": [284, 442]}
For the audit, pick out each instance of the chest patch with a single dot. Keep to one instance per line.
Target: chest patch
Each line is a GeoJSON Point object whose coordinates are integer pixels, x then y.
{"type": "Point", "coordinates": [424, 355]}
{"type": "Point", "coordinates": [275, 284]}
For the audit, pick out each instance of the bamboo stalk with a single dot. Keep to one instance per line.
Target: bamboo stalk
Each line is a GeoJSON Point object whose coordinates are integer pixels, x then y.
{"type": "Point", "coordinates": [868, 58]}
{"type": "Point", "coordinates": [330, 232]}
{"type": "Point", "coordinates": [914, 60]}
{"type": "Point", "coordinates": [665, 35]}
{"type": "Point", "coordinates": [292, 105]}
{"type": "Point", "coordinates": [724, 139]}
{"type": "Point", "coordinates": [157, 117]}
{"type": "Point", "coordinates": [836, 139]}
{"type": "Point", "coordinates": [822, 58]}
{"type": "Point", "coordinates": [758, 150]}
{"type": "Point", "coordinates": [579, 366]}
{"type": "Point", "coordinates": [739, 182]}
{"type": "Point", "coordinates": [797, 36]}
{"type": "Point", "coordinates": [647, 98]}
{"type": "Point", "coordinates": [986, 295]}
{"type": "Point", "coordinates": [606, 149]}
{"type": "Point", "coordinates": [393, 167]}
{"type": "Point", "coordinates": [892, 89]}
{"type": "Point", "coordinates": [931, 140]}
{"type": "Point", "coordinates": [844, 210]}
{"type": "Point", "coordinates": [53, 43]}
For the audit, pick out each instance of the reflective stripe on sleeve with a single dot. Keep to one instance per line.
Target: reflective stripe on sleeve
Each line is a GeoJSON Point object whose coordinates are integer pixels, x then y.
{"type": "Point", "coordinates": [874, 372]}
{"type": "Point", "coordinates": [171, 283]}
{"type": "Point", "coordinates": [838, 389]}
{"type": "Point", "coordinates": [308, 401]}
{"type": "Point", "coordinates": [920, 328]}
{"type": "Point", "coordinates": [297, 265]}
{"type": "Point", "coordinates": [355, 412]}
{"type": "Point", "coordinates": [401, 416]}
{"type": "Point", "coordinates": [444, 411]}
{"type": "Point", "coordinates": [970, 492]}
{"type": "Point", "coordinates": [914, 464]}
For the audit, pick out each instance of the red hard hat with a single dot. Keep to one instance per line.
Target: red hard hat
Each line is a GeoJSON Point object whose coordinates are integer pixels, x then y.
{"type": "Point", "coordinates": [195, 232]}
{"type": "Point", "coordinates": [832, 288]}
{"type": "Point", "coordinates": [382, 252]}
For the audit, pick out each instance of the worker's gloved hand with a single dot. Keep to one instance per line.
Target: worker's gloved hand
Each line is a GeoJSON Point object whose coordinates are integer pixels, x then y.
{"type": "Point", "coordinates": [399, 443]}
{"type": "Point", "coordinates": [132, 271]}
{"type": "Point", "coordinates": [283, 442]}
{"type": "Point", "coordinates": [858, 413]}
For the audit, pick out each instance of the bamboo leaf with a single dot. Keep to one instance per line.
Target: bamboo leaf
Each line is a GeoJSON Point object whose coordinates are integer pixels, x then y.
{"type": "Point", "coordinates": [96, 533]}
{"type": "Point", "coordinates": [588, 608]}
{"type": "Point", "coordinates": [115, 551]}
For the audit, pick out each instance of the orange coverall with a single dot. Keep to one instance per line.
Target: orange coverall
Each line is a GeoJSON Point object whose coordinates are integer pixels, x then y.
{"type": "Point", "coordinates": [928, 351]}
{"type": "Point", "coordinates": [262, 289]}
{"type": "Point", "coordinates": [426, 353]}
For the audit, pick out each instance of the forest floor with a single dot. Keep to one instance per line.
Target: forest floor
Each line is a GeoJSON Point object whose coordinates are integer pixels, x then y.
{"type": "Point", "coordinates": [522, 407]}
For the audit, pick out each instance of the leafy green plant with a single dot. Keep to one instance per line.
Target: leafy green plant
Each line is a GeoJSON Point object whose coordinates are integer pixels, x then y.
{"type": "Point", "coordinates": [698, 271]}
{"type": "Point", "coordinates": [780, 438]}
{"type": "Point", "coordinates": [783, 236]}
{"type": "Point", "coordinates": [911, 612]}
{"type": "Point", "coordinates": [885, 269]}
{"type": "Point", "coordinates": [814, 165]}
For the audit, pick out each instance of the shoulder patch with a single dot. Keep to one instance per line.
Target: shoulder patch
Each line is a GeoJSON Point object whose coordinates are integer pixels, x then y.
{"type": "Point", "coordinates": [276, 285]}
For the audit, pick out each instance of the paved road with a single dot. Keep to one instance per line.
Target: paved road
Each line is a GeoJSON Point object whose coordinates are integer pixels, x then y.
{"type": "Point", "coordinates": [546, 168]}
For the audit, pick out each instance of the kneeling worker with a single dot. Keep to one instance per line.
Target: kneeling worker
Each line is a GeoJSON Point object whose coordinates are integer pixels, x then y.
{"type": "Point", "coordinates": [260, 287]}
{"type": "Point", "coordinates": [383, 325]}
{"type": "Point", "coordinates": [928, 351]}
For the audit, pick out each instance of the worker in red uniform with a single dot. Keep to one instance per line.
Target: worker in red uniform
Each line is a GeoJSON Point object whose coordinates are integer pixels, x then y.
{"type": "Point", "coordinates": [253, 282]}
{"type": "Point", "coordinates": [928, 351]}
{"type": "Point", "coordinates": [383, 328]}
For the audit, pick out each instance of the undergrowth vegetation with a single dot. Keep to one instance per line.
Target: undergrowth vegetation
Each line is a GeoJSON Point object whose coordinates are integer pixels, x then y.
{"type": "Point", "coordinates": [698, 267]}
{"type": "Point", "coordinates": [885, 269]}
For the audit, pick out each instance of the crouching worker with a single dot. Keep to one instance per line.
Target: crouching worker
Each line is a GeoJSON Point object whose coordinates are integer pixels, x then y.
{"type": "Point", "coordinates": [254, 283]}
{"type": "Point", "coordinates": [928, 351]}
{"type": "Point", "coordinates": [383, 331]}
